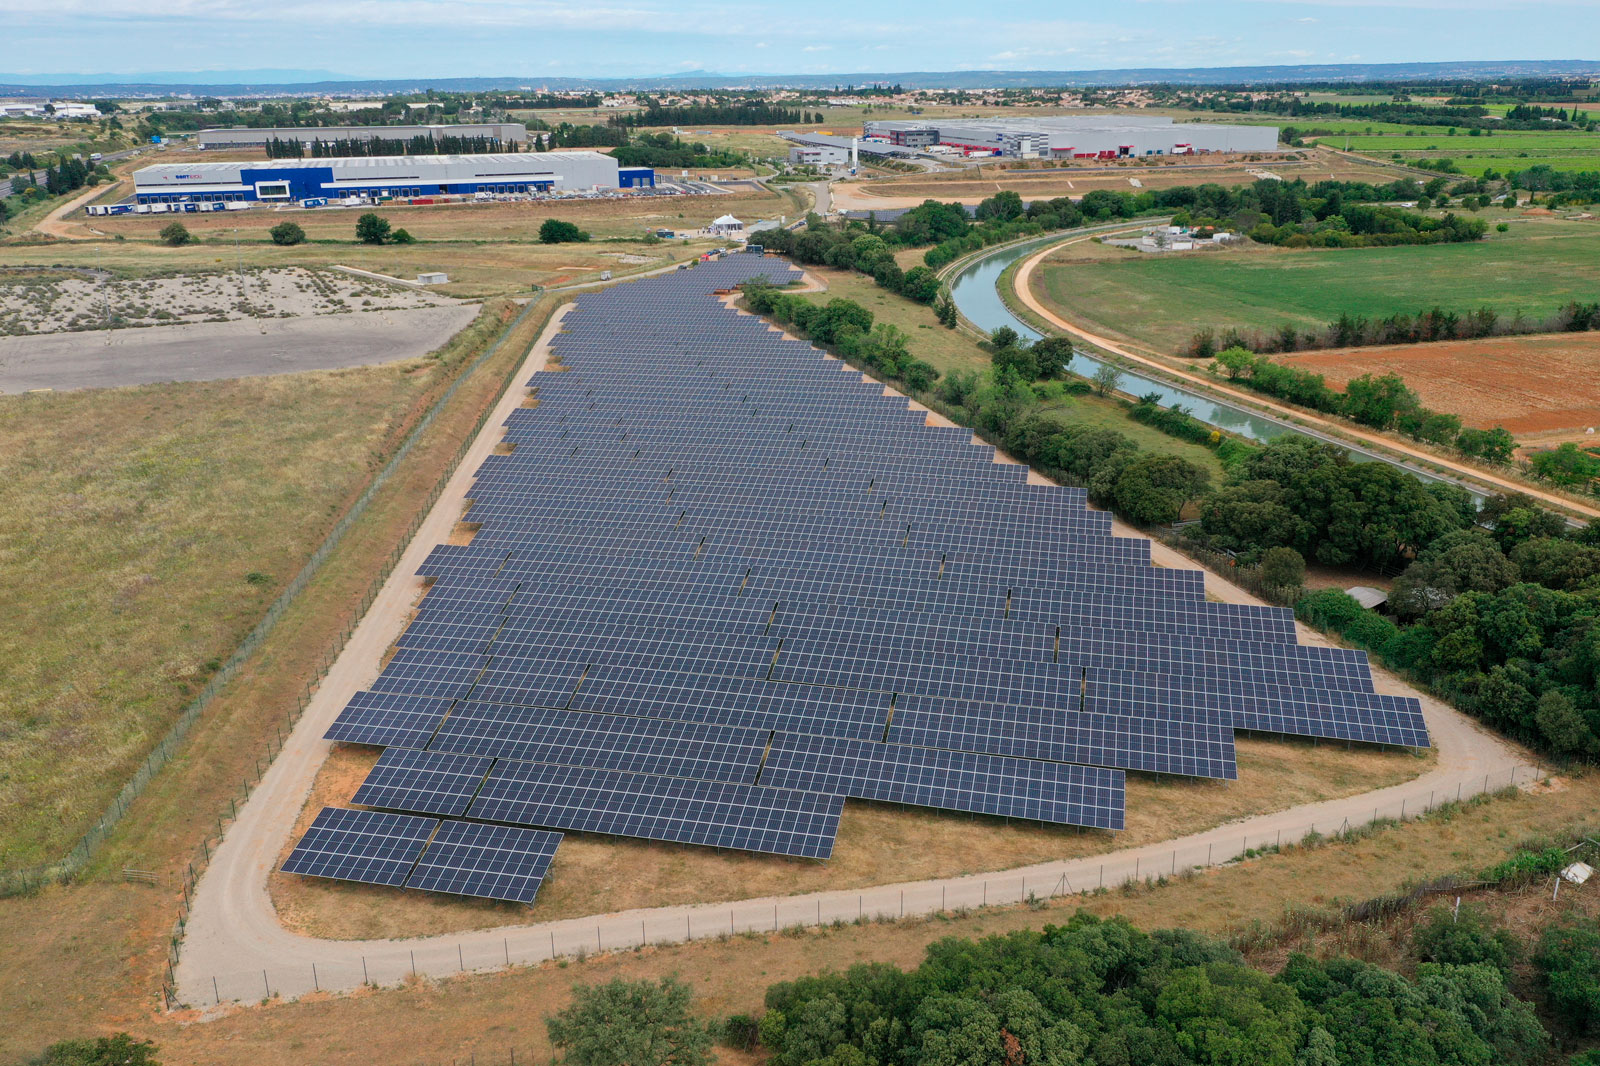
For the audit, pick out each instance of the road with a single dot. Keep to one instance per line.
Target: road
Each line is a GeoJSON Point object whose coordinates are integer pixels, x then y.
{"type": "Point", "coordinates": [207, 351]}
{"type": "Point", "coordinates": [234, 949]}
{"type": "Point", "coordinates": [1299, 418]}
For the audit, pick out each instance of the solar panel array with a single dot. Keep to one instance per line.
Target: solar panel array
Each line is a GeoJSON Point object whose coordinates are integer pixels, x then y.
{"type": "Point", "coordinates": [721, 584]}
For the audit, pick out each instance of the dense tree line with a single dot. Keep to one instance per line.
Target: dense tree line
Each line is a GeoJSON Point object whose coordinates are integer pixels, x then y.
{"type": "Point", "coordinates": [747, 113]}
{"type": "Point", "coordinates": [1434, 324]}
{"type": "Point", "coordinates": [663, 150]}
{"type": "Point", "coordinates": [356, 147]}
{"type": "Point", "coordinates": [869, 247]}
{"type": "Point", "coordinates": [1411, 113]}
{"type": "Point", "coordinates": [1102, 992]}
{"type": "Point", "coordinates": [567, 135]}
{"type": "Point", "coordinates": [1497, 610]}
{"type": "Point", "coordinates": [1382, 401]}
{"type": "Point", "coordinates": [848, 329]}
{"type": "Point", "coordinates": [1541, 177]}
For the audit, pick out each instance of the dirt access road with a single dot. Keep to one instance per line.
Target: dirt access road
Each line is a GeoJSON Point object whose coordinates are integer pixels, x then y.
{"type": "Point", "coordinates": [1022, 286]}
{"type": "Point", "coordinates": [236, 950]}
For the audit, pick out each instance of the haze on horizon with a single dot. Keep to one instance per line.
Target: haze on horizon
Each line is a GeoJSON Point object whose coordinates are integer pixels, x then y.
{"type": "Point", "coordinates": [635, 38]}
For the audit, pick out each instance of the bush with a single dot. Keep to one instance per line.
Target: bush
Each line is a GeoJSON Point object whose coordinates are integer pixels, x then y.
{"type": "Point", "coordinates": [1283, 567]}
{"type": "Point", "coordinates": [1465, 939]}
{"type": "Point", "coordinates": [287, 233]}
{"type": "Point", "coordinates": [371, 228]}
{"type": "Point", "coordinates": [175, 235]}
{"type": "Point", "coordinates": [1568, 960]}
{"type": "Point", "coordinates": [556, 231]}
{"type": "Point", "coordinates": [401, 236]}
{"type": "Point", "coordinates": [631, 1023]}
{"type": "Point", "coordinates": [119, 1050]}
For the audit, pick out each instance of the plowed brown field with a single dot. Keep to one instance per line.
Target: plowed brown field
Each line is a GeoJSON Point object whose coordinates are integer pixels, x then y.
{"type": "Point", "coordinates": [1534, 386]}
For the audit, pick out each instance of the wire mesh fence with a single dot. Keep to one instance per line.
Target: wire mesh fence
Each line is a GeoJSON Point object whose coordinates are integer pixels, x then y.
{"type": "Point", "coordinates": [27, 879]}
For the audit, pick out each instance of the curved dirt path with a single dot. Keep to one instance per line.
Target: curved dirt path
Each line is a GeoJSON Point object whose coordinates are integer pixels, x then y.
{"type": "Point", "coordinates": [1021, 285]}
{"type": "Point", "coordinates": [234, 948]}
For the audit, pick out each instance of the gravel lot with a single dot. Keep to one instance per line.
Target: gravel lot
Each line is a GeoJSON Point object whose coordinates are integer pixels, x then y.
{"type": "Point", "coordinates": [38, 301]}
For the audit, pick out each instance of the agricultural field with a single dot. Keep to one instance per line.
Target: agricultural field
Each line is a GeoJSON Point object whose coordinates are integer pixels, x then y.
{"type": "Point", "coordinates": [1516, 150]}
{"type": "Point", "coordinates": [143, 532]}
{"type": "Point", "coordinates": [1538, 387]}
{"type": "Point", "coordinates": [1157, 301]}
{"type": "Point", "coordinates": [38, 136]}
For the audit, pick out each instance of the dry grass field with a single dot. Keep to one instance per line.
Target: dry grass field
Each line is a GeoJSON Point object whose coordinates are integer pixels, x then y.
{"type": "Point", "coordinates": [143, 531]}
{"type": "Point", "coordinates": [81, 951]}
{"type": "Point", "coordinates": [1534, 386]}
{"type": "Point", "coordinates": [877, 844]}
{"type": "Point", "coordinates": [487, 249]}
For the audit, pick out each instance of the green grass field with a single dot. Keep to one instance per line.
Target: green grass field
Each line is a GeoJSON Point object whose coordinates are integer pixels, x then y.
{"type": "Point", "coordinates": [953, 350]}
{"type": "Point", "coordinates": [1560, 149]}
{"type": "Point", "coordinates": [1158, 301]}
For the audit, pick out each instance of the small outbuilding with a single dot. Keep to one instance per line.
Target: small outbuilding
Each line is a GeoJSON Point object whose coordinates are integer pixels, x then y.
{"type": "Point", "coordinates": [1367, 596]}
{"type": "Point", "coordinates": [433, 279]}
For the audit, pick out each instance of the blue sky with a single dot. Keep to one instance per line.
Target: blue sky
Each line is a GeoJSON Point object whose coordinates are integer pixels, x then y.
{"type": "Point", "coordinates": [530, 38]}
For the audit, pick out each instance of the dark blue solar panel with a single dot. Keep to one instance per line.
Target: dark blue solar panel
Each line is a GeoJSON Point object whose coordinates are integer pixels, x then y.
{"type": "Point", "coordinates": [424, 782]}
{"type": "Point", "coordinates": [488, 861]}
{"type": "Point", "coordinates": [369, 846]}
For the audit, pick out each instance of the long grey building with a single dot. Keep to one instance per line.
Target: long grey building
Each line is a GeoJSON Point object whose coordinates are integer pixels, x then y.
{"type": "Point", "coordinates": [1077, 136]}
{"type": "Point", "coordinates": [384, 176]}
{"type": "Point", "coordinates": [245, 137]}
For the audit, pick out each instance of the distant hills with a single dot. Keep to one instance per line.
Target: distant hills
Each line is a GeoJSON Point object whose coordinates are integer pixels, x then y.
{"type": "Point", "coordinates": [271, 82]}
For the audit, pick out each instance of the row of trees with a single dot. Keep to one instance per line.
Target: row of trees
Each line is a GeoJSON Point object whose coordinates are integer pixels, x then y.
{"type": "Point", "coordinates": [356, 147]}
{"type": "Point", "coordinates": [665, 150]}
{"type": "Point", "coordinates": [748, 113]}
{"type": "Point", "coordinates": [1355, 331]}
{"type": "Point", "coordinates": [1104, 992]}
{"type": "Point", "coordinates": [848, 329]}
{"type": "Point", "coordinates": [1382, 401]}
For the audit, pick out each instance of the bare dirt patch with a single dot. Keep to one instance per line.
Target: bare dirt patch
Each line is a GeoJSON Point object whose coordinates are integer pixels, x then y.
{"type": "Point", "coordinates": [1531, 385]}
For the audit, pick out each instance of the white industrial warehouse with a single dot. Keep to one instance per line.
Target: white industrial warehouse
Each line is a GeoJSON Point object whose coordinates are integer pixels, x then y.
{"type": "Point", "coordinates": [385, 176]}
{"type": "Point", "coordinates": [1075, 136]}
{"type": "Point", "coordinates": [507, 133]}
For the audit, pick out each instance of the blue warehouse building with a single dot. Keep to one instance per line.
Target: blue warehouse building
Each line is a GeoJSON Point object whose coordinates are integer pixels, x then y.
{"type": "Point", "coordinates": [286, 180]}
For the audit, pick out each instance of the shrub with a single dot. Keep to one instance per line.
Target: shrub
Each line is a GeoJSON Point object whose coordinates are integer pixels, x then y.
{"type": "Point", "coordinates": [1283, 567]}
{"type": "Point", "coordinates": [556, 231]}
{"type": "Point", "coordinates": [371, 228]}
{"type": "Point", "coordinates": [401, 236]}
{"type": "Point", "coordinates": [287, 233]}
{"type": "Point", "coordinates": [175, 235]}
{"type": "Point", "coordinates": [1568, 960]}
{"type": "Point", "coordinates": [1464, 939]}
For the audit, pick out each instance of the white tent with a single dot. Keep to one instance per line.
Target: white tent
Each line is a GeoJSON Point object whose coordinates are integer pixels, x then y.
{"type": "Point", "coordinates": [726, 224]}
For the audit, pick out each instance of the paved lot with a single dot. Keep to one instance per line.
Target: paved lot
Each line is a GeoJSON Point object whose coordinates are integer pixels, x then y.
{"type": "Point", "coordinates": [211, 350]}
